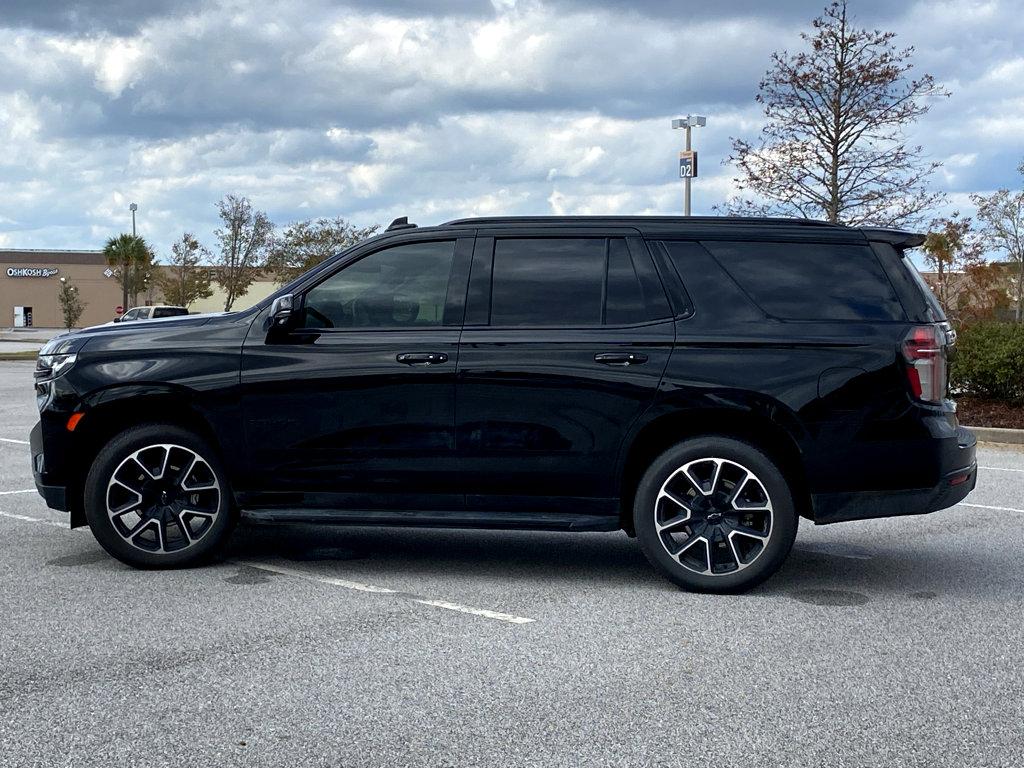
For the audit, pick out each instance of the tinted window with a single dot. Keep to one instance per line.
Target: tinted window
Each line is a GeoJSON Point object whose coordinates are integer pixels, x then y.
{"type": "Point", "coordinates": [402, 286]}
{"type": "Point", "coordinates": [168, 312]}
{"type": "Point", "coordinates": [713, 291]}
{"type": "Point", "coordinates": [548, 282]}
{"type": "Point", "coordinates": [811, 281]}
{"type": "Point", "coordinates": [625, 299]}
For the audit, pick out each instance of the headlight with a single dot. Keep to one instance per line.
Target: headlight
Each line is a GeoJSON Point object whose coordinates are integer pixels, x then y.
{"type": "Point", "coordinates": [57, 356]}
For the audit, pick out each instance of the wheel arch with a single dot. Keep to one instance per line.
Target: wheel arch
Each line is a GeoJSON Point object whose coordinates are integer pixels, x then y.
{"type": "Point", "coordinates": [111, 411]}
{"type": "Point", "coordinates": [671, 427]}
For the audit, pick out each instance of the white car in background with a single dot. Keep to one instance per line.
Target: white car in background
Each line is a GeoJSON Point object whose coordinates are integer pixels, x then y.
{"type": "Point", "coordinates": [151, 312]}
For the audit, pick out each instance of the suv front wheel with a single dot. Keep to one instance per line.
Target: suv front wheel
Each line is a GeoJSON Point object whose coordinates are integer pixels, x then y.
{"type": "Point", "coordinates": [157, 497]}
{"type": "Point", "coordinates": [715, 515]}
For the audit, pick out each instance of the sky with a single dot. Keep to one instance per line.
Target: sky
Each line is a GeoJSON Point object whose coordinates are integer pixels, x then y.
{"type": "Point", "coordinates": [434, 110]}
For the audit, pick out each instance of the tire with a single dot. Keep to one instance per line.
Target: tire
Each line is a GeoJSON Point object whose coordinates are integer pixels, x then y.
{"type": "Point", "coordinates": [715, 515]}
{"type": "Point", "coordinates": [157, 497]}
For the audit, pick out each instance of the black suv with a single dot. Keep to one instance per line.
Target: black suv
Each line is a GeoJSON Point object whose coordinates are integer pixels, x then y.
{"type": "Point", "coordinates": [697, 382]}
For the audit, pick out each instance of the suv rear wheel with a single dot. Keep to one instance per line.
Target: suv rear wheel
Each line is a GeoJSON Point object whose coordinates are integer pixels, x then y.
{"type": "Point", "coordinates": [715, 515]}
{"type": "Point", "coordinates": [157, 497]}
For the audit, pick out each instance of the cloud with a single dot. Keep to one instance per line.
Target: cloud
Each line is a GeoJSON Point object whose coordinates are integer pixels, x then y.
{"type": "Point", "coordinates": [432, 109]}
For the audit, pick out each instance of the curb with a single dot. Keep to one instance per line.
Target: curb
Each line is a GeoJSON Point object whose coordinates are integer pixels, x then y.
{"type": "Point", "coordinates": [997, 434]}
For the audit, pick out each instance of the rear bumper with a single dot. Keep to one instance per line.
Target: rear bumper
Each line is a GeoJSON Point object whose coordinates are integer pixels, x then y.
{"type": "Point", "coordinates": [959, 476]}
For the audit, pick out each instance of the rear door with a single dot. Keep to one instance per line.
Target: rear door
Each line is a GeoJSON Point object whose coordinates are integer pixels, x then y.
{"type": "Point", "coordinates": [567, 335]}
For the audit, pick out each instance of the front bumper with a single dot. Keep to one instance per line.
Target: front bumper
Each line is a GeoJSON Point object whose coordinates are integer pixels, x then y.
{"type": "Point", "coordinates": [56, 495]}
{"type": "Point", "coordinates": [958, 478]}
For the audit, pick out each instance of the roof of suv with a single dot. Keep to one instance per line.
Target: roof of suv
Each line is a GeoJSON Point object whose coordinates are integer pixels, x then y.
{"type": "Point", "coordinates": [705, 226]}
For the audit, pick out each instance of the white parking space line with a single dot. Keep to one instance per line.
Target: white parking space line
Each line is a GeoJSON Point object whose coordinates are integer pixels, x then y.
{"type": "Point", "coordinates": [31, 519]}
{"type": "Point", "coordinates": [335, 581]}
{"type": "Point", "coordinates": [313, 577]}
{"type": "Point", "coordinates": [992, 507]}
{"type": "Point", "coordinates": [1003, 469]}
{"type": "Point", "coordinates": [501, 616]}
{"type": "Point", "coordinates": [13, 440]}
{"type": "Point", "coordinates": [19, 491]}
{"type": "Point", "coordinates": [479, 612]}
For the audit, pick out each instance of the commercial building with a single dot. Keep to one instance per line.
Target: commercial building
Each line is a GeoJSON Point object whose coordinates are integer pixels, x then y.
{"type": "Point", "coordinates": [30, 286]}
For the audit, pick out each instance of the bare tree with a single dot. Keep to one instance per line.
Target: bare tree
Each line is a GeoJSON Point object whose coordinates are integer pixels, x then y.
{"type": "Point", "coordinates": [246, 238]}
{"type": "Point", "coordinates": [833, 145]}
{"type": "Point", "coordinates": [1002, 218]}
{"type": "Point", "coordinates": [186, 279]}
{"type": "Point", "coordinates": [303, 245]}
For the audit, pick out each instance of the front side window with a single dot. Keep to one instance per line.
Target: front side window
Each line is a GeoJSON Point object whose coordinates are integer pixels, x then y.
{"type": "Point", "coordinates": [403, 286]}
{"type": "Point", "coordinates": [129, 316]}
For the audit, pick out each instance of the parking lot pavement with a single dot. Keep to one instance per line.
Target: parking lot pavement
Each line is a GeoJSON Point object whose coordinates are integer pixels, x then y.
{"type": "Point", "coordinates": [880, 642]}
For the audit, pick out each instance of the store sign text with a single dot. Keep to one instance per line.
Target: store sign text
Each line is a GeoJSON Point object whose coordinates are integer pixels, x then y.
{"type": "Point", "coordinates": [31, 272]}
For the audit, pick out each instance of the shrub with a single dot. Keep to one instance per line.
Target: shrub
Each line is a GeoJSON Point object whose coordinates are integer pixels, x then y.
{"type": "Point", "coordinates": [989, 361]}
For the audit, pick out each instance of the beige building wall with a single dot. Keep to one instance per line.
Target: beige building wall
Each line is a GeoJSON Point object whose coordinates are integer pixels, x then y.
{"type": "Point", "coordinates": [84, 269]}
{"type": "Point", "coordinates": [260, 289]}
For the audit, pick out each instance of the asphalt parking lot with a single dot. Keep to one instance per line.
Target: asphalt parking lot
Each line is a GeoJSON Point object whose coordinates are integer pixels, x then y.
{"type": "Point", "coordinates": [883, 642]}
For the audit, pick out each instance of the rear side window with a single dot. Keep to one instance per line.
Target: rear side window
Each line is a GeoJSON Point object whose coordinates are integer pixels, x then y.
{"type": "Point", "coordinates": [571, 282]}
{"type": "Point", "coordinates": [169, 312]}
{"type": "Point", "coordinates": [811, 281]}
{"type": "Point", "coordinates": [547, 281]}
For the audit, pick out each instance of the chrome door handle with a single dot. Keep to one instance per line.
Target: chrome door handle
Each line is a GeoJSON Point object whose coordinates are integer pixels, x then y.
{"type": "Point", "coordinates": [620, 358]}
{"type": "Point", "coordinates": [421, 358]}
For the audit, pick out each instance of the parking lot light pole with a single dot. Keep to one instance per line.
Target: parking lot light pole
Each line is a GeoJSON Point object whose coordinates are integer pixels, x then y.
{"type": "Point", "coordinates": [688, 169]}
{"type": "Point", "coordinates": [133, 208]}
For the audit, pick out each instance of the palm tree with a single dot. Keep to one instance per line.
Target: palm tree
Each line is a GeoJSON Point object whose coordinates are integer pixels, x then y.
{"type": "Point", "coordinates": [129, 255]}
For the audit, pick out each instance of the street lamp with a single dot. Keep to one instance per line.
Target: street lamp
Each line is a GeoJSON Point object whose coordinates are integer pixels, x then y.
{"type": "Point", "coordinates": [688, 159]}
{"type": "Point", "coordinates": [133, 208]}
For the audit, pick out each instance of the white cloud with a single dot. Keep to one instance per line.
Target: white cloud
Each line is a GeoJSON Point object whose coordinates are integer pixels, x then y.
{"type": "Point", "coordinates": [316, 109]}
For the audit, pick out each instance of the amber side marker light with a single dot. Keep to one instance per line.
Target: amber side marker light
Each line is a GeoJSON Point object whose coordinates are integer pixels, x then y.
{"type": "Point", "coordinates": [73, 420]}
{"type": "Point", "coordinates": [956, 480]}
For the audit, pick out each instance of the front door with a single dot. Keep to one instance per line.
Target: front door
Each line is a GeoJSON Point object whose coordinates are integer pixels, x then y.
{"type": "Point", "coordinates": [565, 343]}
{"type": "Point", "coordinates": [353, 408]}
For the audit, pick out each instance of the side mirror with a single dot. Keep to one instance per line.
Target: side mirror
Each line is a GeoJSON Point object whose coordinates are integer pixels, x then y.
{"type": "Point", "coordinates": [281, 310]}
{"type": "Point", "coordinates": [117, 319]}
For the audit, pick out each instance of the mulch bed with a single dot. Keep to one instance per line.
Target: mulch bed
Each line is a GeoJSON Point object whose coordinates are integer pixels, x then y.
{"type": "Point", "coordinates": [982, 412]}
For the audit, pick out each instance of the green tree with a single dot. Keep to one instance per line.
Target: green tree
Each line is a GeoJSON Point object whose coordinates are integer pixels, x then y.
{"type": "Point", "coordinates": [833, 146]}
{"type": "Point", "coordinates": [71, 304]}
{"type": "Point", "coordinates": [131, 258]}
{"type": "Point", "coordinates": [303, 245]}
{"type": "Point", "coordinates": [1001, 215]}
{"type": "Point", "coordinates": [246, 238]}
{"type": "Point", "coordinates": [186, 279]}
{"type": "Point", "coordinates": [952, 250]}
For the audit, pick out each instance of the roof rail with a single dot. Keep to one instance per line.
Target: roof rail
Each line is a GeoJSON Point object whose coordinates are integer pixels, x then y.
{"type": "Point", "coordinates": [639, 220]}
{"type": "Point", "coordinates": [401, 223]}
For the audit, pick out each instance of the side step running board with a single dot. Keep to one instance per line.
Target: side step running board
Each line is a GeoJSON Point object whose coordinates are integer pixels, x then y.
{"type": "Point", "coordinates": [455, 519]}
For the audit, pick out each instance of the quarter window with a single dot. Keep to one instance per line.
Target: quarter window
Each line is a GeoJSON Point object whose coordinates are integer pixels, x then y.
{"type": "Point", "coordinates": [399, 287]}
{"type": "Point", "coordinates": [811, 281]}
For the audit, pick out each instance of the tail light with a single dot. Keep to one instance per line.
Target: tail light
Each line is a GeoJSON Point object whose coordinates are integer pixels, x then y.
{"type": "Point", "coordinates": [924, 351]}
